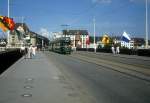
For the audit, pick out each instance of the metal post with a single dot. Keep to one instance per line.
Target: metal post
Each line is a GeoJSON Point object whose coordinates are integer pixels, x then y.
{"type": "Point", "coordinates": [8, 8]}
{"type": "Point", "coordinates": [8, 33]}
{"type": "Point", "coordinates": [94, 34]}
{"type": "Point", "coordinates": [146, 38]}
{"type": "Point", "coordinates": [82, 41]}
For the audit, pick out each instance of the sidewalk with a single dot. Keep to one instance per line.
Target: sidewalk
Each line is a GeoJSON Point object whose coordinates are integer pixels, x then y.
{"type": "Point", "coordinates": [35, 80]}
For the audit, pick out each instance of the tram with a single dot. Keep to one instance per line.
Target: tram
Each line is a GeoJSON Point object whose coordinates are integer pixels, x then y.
{"type": "Point", "coordinates": [61, 45]}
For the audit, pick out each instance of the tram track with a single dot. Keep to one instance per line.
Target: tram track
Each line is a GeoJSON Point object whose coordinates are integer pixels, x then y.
{"type": "Point", "coordinates": [139, 72]}
{"type": "Point", "coordinates": [120, 59]}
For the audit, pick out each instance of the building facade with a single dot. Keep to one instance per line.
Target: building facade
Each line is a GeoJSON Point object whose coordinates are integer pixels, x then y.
{"type": "Point", "coordinates": [123, 44]}
{"type": "Point", "coordinates": [78, 37]}
{"type": "Point", "coordinates": [17, 37]}
{"type": "Point", "coordinates": [21, 35]}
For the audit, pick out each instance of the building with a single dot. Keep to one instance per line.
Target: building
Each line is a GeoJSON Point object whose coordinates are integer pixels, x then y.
{"type": "Point", "coordinates": [78, 37]}
{"type": "Point", "coordinates": [129, 45]}
{"type": "Point", "coordinates": [21, 35]}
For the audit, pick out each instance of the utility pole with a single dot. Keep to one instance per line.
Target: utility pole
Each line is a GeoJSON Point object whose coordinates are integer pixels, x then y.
{"type": "Point", "coordinates": [94, 34]}
{"type": "Point", "coordinates": [146, 38]}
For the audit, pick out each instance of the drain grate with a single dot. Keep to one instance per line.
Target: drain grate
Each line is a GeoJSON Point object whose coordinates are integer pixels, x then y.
{"type": "Point", "coordinates": [29, 80]}
{"type": "Point", "coordinates": [28, 87]}
{"type": "Point", "coordinates": [26, 95]}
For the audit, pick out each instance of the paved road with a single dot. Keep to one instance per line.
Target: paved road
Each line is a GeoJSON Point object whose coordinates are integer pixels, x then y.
{"type": "Point", "coordinates": [127, 59]}
{"type": "Point", "coordinates": [100, 83]}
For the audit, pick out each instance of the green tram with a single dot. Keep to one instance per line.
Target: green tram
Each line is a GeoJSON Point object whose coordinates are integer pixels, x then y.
{"type": "Point", "coordinates": [61, 45]}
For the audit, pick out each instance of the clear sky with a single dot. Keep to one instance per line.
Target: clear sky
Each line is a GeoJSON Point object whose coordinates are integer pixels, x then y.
{"type": "Point", "coordinates": [112, 16]}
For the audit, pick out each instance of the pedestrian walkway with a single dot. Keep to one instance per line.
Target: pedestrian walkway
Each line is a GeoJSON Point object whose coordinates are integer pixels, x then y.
{"type": "Point", "coordinates": [34, 80]}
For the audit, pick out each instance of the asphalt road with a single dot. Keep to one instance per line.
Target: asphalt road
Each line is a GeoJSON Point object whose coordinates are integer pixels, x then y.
{"type": "Point", "coordinates": [99, 84]}
{"type": "Point", "coordinates": [139, 61]}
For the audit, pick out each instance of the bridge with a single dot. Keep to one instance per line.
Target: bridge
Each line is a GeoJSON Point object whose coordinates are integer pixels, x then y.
{"type": "Point", "coordinates": [82, 77]}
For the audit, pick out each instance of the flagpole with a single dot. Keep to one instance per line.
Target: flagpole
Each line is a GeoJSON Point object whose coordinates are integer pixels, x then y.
{"type": "Point", "coordinates": [146, 29]}
{"type": "Point", "coordinates": [8, 33]}
{"type": "Point", "coordinates": [8, 7]}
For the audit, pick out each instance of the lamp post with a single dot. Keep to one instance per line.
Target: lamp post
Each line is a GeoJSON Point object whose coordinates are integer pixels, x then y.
{"type": "Point", "coordinates": [146, 29]}
{"type": "Point", "coordinates": [94, 34]}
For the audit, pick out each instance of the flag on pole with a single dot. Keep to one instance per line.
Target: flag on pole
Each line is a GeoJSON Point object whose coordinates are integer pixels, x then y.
{"type": "Point", "coordinates": [6, 23]}
{"type": "Point", "coordinates": [88, 40]}
{"type": "Point", "coordinates": [2, 26]}
{"type": "Point", "coordinates": [105, 39]}
{"type": "Point", "coordinates": [9, 23]}
{"type": "Point", "coordinates": [125, 37]}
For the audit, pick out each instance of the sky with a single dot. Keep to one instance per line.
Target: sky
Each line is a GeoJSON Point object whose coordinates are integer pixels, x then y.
{"type": "Point", "coordinates": [112, 17]}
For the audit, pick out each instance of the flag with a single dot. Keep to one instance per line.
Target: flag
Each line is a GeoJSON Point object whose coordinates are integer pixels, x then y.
{"type": "Point", "coordinates": [105, 39]}
{"type": "Point", "coordinates": [1, 17]}
{"type": "Point", "coordinates": [9, 23]}
{"type": "Point", "coordinates": [88, 40]}
{"type": "Point", "coordinates": [125, 37]}
{"type": "Point", "coordinates": [6, 23]}
{"type": "Point", "coordinates": [2, 26]}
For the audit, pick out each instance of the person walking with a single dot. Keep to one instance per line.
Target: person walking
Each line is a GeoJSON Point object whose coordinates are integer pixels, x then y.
{"type": "Point", "coordinates": [22, 50]}
{"type": "Point", "coordinates": [30, 52]}
{"type": "Point", "coordinates": [117, 50]}
{"type": "Point", "coordinates": [34, 50]}
{"type": "Point", "coordinates": [113, 49]}
{"type": "Point", "coordinates": [26, 52]}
